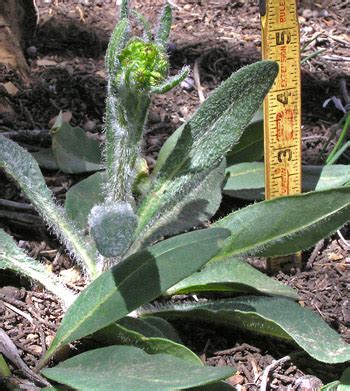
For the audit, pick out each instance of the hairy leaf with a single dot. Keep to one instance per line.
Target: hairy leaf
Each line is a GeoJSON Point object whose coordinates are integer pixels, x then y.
{"type": "Point", "coordinates": [74, 152]}
{"type": "Point", "coordinates": [205, 139]}
{"type": "Point", "coordinates": [131, 369]}
{"type": "Point", "coordinates": [22, 167]}
{"type": "Point", "coordinates": [13, 258]}
{"type": "Point", "coordinates": [285, 225]}
{"type": "Point", "coordinates": [46, 159]}
{"type": "Point", "coordinates": [232, 275]}
{"type": "Point", "coordinates": [276, 317]}
{"type": "Point", "coordinates": [138, 333]}
{"type": "Point", "coordinates": [82, 197]}
{"type": "Point", "coordinates": [250, 146]}
{"type": "Point", "coordinates": [164, 26]}
{"type": "Point", "coordinates": [135, 281]}
{"type": "Point", "coordinates": [198, 204]}
{"type": "Point", "coordinates": [246, 180]}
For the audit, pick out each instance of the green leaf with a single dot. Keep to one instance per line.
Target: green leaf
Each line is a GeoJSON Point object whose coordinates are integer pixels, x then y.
{"type": "Point", "coordinates": [205, 139]}
{"type": "Point", "coordinates": [271, 316]}
{"type": "Point", "coordinates": [117, 41]}
{"type": "Point", "coordinates": [135, 281]}
{"type": "Point", "coordinates": [22, 167]}
{"type": "Point", "coordinates": [82, 197]}
{"type": "Point", "coordinates": [232, 275]}
{"type": "Point", "coordinates": [136, 332]}
{"type": "Point", "coordinates": [74, 152]}
{"type": "Point", "coordinates": [344, 381]}
{"type": "Point", "coordinates": [164, 27]}
{"type": "Point", "coordinates": [333, 386]}
{"type": "Point", "coordinates": [112, 226]}
{"type": "Point", "coordinates": [13, 258]}
{"type": "Point", "coordinates": [46, 159]}
{"type": "Point", "coordinates": [164, 327]}
{"type": "Point", "coordinates": [198, 204]}
{"type": "Point", "coordinates": [285, 225]}
{"type": "Point", "coordinates": [246, 180]}
{"type": "Point", "coordinates": [250, 146]}
{"type": "Point", "coordinates": [126, 368]}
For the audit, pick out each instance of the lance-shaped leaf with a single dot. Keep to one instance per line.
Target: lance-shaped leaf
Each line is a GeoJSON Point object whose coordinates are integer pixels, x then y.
{"type": "Point", "coordinates": [286, 225]}
{"type": "Point", "coordinates": [75, 152]}
{"type": "Point", "coordinates": [22, 167]}
{"type": "Point", "coordinates": [82, 197]}
{"type": "Point", "coordinates": [130, 368]}
{"type": "Point", "coordinates": [15, 259]}
{"type": "Point", "coordinates": [232, 275]}
{"type": "Point", "coordinates": [135, 281]}
{"type": "Point", "coordinates": [246, 180]}
{"type": "Point", "coordinates": [164, 27]}
{"type": "Point", "coordinates": [204, 140]}
{"type": "Point", "coordinates": [271, 316]}
{"type": "Point", "coordinates": [138, 333]}
{"type": "Point", "coordinates": [200, 200]}
{"type": "Point", "coordinates": [250, 147]}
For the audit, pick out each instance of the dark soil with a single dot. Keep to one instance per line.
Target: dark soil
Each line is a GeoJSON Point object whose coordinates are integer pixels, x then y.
{"type": "Point", "coordinates": [67, 65]}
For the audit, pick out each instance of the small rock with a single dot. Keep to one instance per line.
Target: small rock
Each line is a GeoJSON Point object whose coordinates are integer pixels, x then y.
{"type": "Point", "coordinates": [307, 13]}
{"type": "Point", "coordinates": [32, 51]}
{"type": "Point", "coordinates": [12, 292]}
{"type": "Point", "coordinates": [187, 84]}
{"type": "Point", "coordinates": [324, 13]}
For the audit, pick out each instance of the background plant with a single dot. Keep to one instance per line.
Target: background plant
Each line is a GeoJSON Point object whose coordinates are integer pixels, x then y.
{"type": "Point", "coordinates": [129, 217]}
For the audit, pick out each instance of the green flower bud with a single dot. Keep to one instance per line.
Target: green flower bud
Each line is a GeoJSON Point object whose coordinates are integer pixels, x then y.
{"type": "Point", "coordinates": [144, 64]}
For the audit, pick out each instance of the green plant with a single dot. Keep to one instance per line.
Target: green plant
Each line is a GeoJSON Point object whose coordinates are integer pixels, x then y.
{"type": "Point", "coordinates": [126, 260]}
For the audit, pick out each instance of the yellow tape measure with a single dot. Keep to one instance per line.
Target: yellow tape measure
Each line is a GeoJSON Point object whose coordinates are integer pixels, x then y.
{"type": "Point", "coordinates": [282, 105]}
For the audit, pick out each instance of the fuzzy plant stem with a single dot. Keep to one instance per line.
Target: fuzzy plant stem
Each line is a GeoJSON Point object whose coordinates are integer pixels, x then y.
{"type": "Point", "coordinates": [126, 114]}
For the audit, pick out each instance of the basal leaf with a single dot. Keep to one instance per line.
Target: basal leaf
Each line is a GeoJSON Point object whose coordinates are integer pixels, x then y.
{"type": "Point", "coordinates": [46, 159]}
{"type": "Point", "coordinates": [199, 202]}
{"type": "Point", "coordinates": [22, 167]}
{"type": "Point", "coordinates": [126, 368]}
{"type": "Point", "coordinates": [246, 180]}
{"type": "Point", "coordinates": [285, 225]}
{"type": "Point", "coordinates": [74, 152]}
{"type": "Point", "coordinates": [232, 275]}
{"type": "Point", "coordinates": [136, 332]}
{"type": "Point", "coordinates": [205, 139]}
{"type": "Point", "coordinates": [82, 197]}
{"type": "Point", "coordinates": [250, 147]}
{"type": "Point", "coordinates": [271, 316]}
{"type": "Point", "coordinates": [13, 258]}
{"type": "Point", "coordinates": [135, 281]}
